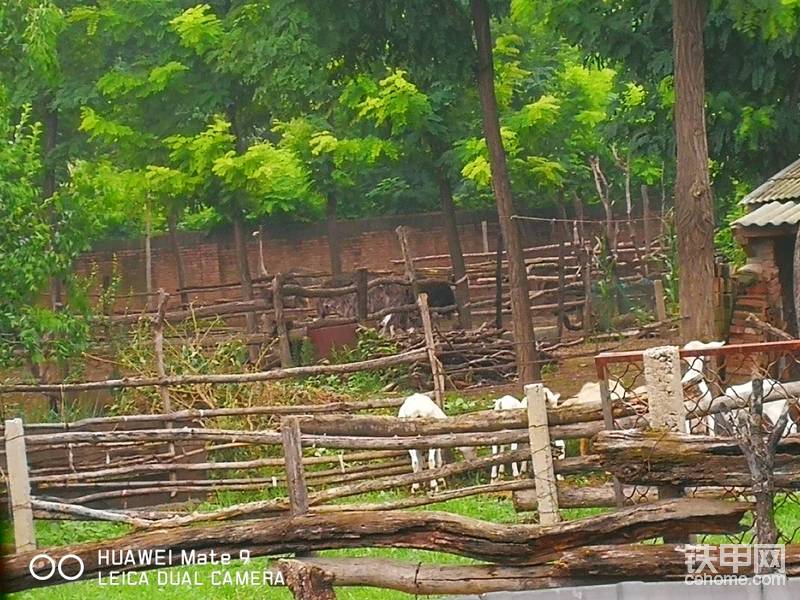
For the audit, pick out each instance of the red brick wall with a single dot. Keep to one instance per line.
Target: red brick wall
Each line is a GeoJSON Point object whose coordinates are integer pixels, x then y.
{"type": "Point", "coordinates": [211, 259]}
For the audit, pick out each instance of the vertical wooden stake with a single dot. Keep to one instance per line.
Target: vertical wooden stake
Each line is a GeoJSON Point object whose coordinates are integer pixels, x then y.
{"type": "Point", "coordinates": [19, 487]}
{"type": "Point", "coordinates": [561, 286]}
{"type": "Point", "coordinates": [293, 457]}
{"type": "Point", "coordinates": [541, 455]}
{"type": "Point", "coordinates": [498, 284]}
{"type": "Point", "coordinates": [362, 293]}
{"type": "Point", "coordinates": [485, 236]}
{"type": "Point", "coordinates": [586, 255]}
{"type": "Point", "coordinates": [648, 236]}
{"type": "Point", "coordinates": [608, 422]}
{"type": "Point", "coordinates": [161, 371]}
{"type": "Point", "coordinates": [430, 345]}
{"type": "Point", "coordinates": [284, 347]}
{"type": "Point", "coordinates": [660, 301]}
{"type": "Point", "coordinates": [148, 259]}
{"type": "Point", "coordinates": [262, 265]}
{"type": "Point", "coordinates": [411, 273]}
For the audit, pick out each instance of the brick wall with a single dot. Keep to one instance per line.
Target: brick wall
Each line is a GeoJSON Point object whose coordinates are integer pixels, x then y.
{"type": "Point", "coordinates": [210, 259]}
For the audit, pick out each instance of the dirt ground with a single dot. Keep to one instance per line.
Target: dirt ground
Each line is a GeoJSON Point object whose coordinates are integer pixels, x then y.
{"type": "Point", "coordinates": [574, 367]}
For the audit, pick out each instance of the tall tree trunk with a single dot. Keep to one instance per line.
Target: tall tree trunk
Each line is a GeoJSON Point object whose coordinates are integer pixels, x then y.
{"type": "Point", "coordinates": [796, 279]}
{"type": "Point", "coordinates": [498, 282]}
{"type": "Point", "coordinates": [148, 258]}
{"type": "Point", "coordinates": [246, 280]}
{"type": "Point", "coordinates": [49, 142]}
{"type": "Point", "coordinates": [334, 245]}
{"type": "Point", "coordinates": [527, 364]}
{"type": "Point", "coordinates": [454, 244]}
{"type": "Point", "coordinates": [172, 226]}
{"type": "Point", "coordinates": [694, 203]}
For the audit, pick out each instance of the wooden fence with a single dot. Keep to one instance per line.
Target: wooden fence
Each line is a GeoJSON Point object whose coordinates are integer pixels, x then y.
{"type": "Point", "coordinates": [367, 453]}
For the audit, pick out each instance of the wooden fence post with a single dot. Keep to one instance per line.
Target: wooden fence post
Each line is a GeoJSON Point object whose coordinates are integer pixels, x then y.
{"type": "Point", "coordinates": [161, 371]}
{"type": "Point", "coordinates": [498, 284]}
{"type": "Point", "coordinates": [430, 345]}
{"type": "Point", "coordinates": [284, 346]}
{"type": "Point", "coordinates": [295, 475]}
{"type": "Point", "coordinates": [561, 286]}
{"type": "Point", "coordinates": [660, 302]}
{"type": "Point", "coordinates": [541, 455]}
{"type": "Point", "coordinates": [608, 422]}
{"type": "Point", "coordinates": [411, 272]}
{"type": "Point", "coordinates": [463, 303]}
{"type": "Point", "coordinates": [19, 487]}
{"type": "Point", "coordinates": [648, 236]}
{"type": "Point", "coordinates": [485, 236]}
{"type": "Point", "coordinates": [666, 409]}
{"type": "Point", "coordinates": [362, 293]}
{"type": "Point", "coordinates": [588, 325]}
{"type": "Point", "coordinates": [293, 457]}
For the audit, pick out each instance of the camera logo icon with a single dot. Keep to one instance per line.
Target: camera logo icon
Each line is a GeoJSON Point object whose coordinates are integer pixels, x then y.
{"type": "Point", "coordinates": [43, 567]}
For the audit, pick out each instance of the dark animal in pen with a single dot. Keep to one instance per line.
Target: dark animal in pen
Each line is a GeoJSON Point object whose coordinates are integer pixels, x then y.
{"type": "Point", "coordinates": [440, 295]}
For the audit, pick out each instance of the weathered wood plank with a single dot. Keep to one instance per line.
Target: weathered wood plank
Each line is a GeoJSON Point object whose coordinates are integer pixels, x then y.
{"type": "Point", "coordinates": [658, 457]}
{"type": "Point", "coordinates": [442, 532]}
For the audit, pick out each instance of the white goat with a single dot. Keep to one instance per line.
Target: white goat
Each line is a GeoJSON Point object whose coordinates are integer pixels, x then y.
{"type": "Point", "coordinates": [420, 406]}
{"type": "Point", "coordinates": [696, 376]}
{"type": "Point", "coordinates": [743, 392]}
{"type": "Point", "coordinates": [738, 393]}
{"type": "Point", "coordinates": [511, 403]}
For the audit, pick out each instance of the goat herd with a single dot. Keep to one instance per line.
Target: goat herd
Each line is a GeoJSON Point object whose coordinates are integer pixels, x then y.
{"type": "Point", "coordinates": [694, 382]}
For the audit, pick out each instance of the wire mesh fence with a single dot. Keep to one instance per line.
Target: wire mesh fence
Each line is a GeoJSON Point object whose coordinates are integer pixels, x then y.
{"type": "Point", "coordinates": [743, 393]}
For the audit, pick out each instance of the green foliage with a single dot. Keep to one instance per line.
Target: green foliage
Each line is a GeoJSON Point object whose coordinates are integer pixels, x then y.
{"type": "Point", "coordinates": [724, 241]}
{"type": "Point", "coordinates": [39, 240]}
{"type": "Point", "coordinates": [370, 344]}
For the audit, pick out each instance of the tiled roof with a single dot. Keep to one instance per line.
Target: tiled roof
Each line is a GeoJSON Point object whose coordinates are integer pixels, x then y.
{"type": "Point", "coordinates": [784, 185]}
{"type": "Point", "coordinates": [774, 213]}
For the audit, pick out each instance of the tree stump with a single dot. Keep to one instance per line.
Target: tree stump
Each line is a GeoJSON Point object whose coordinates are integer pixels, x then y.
{"type": "Point", "coordinates": [307, 582]}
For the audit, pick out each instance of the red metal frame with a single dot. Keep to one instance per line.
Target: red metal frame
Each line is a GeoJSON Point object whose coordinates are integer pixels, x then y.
{"type": "Point", "coordinates": [602, 360]}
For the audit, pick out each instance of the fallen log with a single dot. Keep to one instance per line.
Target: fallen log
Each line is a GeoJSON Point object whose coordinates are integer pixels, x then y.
{"type": "Point", "coordinates": [665, 458]}
{"type": "Point", "coordinates": [593, 565]}
{"type": "Point", "coordinates": [442, 532]}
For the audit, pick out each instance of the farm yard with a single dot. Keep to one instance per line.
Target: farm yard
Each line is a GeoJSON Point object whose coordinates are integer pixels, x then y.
{"type": "Point", "coordinates": [400, 298]}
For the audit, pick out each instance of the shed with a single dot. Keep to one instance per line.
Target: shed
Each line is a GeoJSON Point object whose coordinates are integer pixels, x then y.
{"type": "Point", "coordinates": [767, 233]}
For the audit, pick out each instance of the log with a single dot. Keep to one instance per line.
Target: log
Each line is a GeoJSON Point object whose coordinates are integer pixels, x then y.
{"type": "Point", "coordinates": [665, 458]}
{"type": "Point", "coordinates": [273, 375]}
{"type": "Point", "coordinates": [307, 581]}
{"type": "Point", "coordinates": [767, 328]}
{"type": "Point", "coordinates": [73, 477]}
{"type": "Point", "coordinates": [420, 579]}
{"type": "Point", "coordinates": [589, 566]}
{"type": "Point", "coordinates": [210, 413]}
{"type": "Point", "coordinates": [295, 476]}
{"type": "Point", "coordinates": [569, 496]}
{"type": "Point", "coordinates": [83, 512]}
{"type": "Point", "coordinates": [442, 532]}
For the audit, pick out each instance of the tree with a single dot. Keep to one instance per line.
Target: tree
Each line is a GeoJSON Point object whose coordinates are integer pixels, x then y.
{"type": "Point", "coordinates": [39, 239]}
{"type": "Point", "coordinates": [694, 201]}
{"type": "Point", "coordinates": [335, 155]}
{"type": "Point", "coordinates": [524, 338]}
{"type": "Point", "coordinates": [427, 124]}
